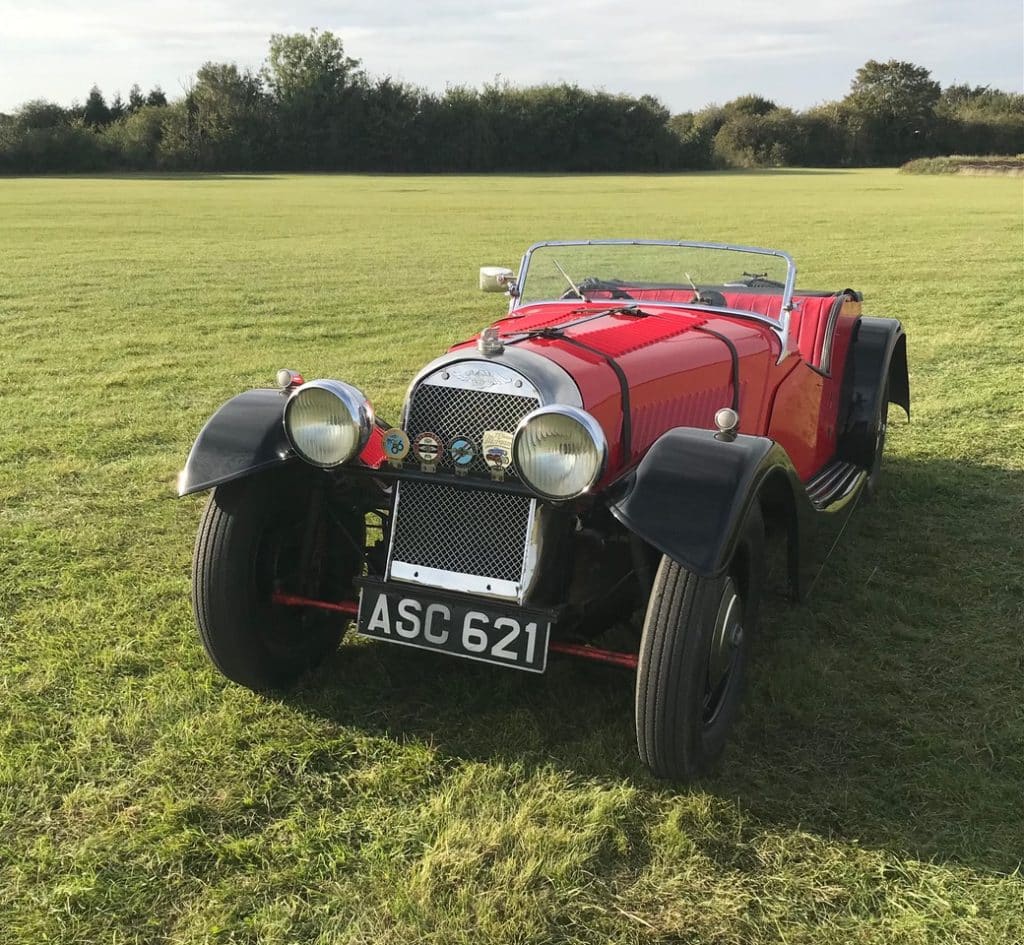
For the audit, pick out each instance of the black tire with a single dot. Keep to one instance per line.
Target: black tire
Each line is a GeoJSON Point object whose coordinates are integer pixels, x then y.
{"type": "Point", "coordinates": [249, 544]}
{"type": "Point", "coordinates": [692, 659]}
{"type": "Point", "coordinates": [879, 432]}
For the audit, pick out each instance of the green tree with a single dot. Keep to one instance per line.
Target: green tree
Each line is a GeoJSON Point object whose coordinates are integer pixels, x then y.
{"type": "Point", "coordinates": [310, 67]}
{"type": "Point", "coordinates": [891, 112]}
{"type": "Point", "coordinates": [96, 113]}
{"type": "Point", "coordinates": [156, 97]}
{"type": "Point", "coordinates": [135, 141]}
{"type": "Point", "coordinates": [979, 100]}
{"type": "Point", "coordinates": [318, 93]}
{"type": "Point", "coordinates": [753, 105]}
{"type": "Point", "coordinates": [39, 113]}
{"type": "Point", "coordinates": [895, 88]}
{"type": "Point", "coordinates": [696, 132]}
{"type": "Point", "coordinates": [135, 98]}
{"type": "Point", "coordinates": [221, 124]}
{"type": "Point", "coordinates": [391, 130]}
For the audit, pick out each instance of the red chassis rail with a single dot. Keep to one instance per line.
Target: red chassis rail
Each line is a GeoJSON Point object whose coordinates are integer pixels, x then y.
{"type": "Point", "coordinates": [293, 600]}
{"type": "Point", "coordinates": [579, 650]}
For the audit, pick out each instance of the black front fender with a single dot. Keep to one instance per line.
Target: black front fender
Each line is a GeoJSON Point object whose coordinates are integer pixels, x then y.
{"type": "Point", "coordinates": [689, 495]}
{"type": "Point", "coordinates": [244, 436]}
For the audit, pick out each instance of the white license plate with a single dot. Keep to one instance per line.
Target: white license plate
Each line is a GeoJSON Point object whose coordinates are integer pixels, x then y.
{"type": "Point", "coordinates": [506, 636]}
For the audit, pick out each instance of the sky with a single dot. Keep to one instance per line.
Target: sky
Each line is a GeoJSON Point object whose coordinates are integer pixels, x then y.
{"type": "Point", "coordinates": [687, 54]}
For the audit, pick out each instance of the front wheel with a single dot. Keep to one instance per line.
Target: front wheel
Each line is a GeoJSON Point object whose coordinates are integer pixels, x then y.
{"type": "Point", "coordinates": [273, 531]}
{"type": "Point", "coordinates": [693, 655]}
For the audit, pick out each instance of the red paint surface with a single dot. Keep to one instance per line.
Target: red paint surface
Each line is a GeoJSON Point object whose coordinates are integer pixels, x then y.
{"type": "Point", "coordinates": [794, 417]}
{"type": "Point", "coordinates": [828, 417]}
{"type": "Point", "coordinates": [680, 375]}
{"type": "Point", "coordinates": [373, 453]}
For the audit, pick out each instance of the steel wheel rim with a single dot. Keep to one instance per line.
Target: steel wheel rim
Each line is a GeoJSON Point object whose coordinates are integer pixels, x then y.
{"type": "Point", "coordinates": [726, 643]}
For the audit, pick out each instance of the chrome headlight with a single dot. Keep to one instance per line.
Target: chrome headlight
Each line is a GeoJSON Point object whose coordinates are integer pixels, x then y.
{"type": "Point", "coordinates": [327, 422]}
{"type": "Point", "coordinates": [560, 451]}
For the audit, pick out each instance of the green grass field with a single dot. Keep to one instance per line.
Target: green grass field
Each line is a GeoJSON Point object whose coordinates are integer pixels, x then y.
{"type": "Point", "coordinates": [874, 790]}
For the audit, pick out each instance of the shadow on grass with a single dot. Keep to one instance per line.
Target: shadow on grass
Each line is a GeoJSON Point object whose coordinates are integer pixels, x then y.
{"type": "Point", "coordinates": [172, 176]}
{"type": "Point", "coordinates": [169, 176]}
{"type": "Point", "coordinates": [884, 711]}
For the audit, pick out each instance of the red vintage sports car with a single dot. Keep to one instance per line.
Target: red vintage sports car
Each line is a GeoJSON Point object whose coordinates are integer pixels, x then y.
{"type": "Point", "coordinates": [620, 443]}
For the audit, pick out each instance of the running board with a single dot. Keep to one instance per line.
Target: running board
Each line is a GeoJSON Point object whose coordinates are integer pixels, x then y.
{"type": "Point", "coordinates": [836, 481]}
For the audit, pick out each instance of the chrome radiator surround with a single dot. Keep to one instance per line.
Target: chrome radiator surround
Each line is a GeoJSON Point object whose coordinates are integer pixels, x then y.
{"type": "Point", "coordinates": [478, 541]}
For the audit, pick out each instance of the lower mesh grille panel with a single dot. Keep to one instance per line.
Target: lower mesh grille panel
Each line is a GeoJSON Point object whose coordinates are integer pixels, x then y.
{"type": "Point", "coordinates": [461, 530]}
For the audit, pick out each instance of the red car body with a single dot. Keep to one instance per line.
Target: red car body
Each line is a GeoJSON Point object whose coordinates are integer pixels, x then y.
{"type": "Point", "coordinates": [689, 419]}
{"type": "Point", "coordinates": [680, 375]}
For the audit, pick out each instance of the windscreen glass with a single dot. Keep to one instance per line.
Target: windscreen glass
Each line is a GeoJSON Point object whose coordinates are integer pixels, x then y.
{"type": "Point", "coordinates": [717, 277]}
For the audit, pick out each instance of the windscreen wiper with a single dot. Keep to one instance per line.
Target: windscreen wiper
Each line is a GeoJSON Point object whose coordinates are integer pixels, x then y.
{"type": "Point", "coordinates": [553, 331]}
{"type": "Point", "coordinates": [568, 279]}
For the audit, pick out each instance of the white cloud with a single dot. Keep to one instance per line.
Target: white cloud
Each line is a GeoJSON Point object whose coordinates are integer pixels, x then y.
{"type": "Point", "coordinates": [684, 53]}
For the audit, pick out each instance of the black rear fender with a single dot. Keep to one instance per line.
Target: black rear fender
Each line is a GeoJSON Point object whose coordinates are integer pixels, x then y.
{"type": "Point", "coordinates": [246, 435]}
{"type": "Point", "coordinates": [876, 363]}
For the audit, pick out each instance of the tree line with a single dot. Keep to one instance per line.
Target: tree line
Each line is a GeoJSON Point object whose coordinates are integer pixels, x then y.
{"type": "Point", "coordinates": [313, 108]}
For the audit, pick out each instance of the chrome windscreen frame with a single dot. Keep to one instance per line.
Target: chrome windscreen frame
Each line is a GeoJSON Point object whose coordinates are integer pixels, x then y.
{"type": "Point", "coordinates": [779, 325]}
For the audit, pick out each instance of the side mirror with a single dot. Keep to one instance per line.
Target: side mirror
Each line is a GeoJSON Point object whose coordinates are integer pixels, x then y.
{"type": "Point", "coordinates": [495, 278]}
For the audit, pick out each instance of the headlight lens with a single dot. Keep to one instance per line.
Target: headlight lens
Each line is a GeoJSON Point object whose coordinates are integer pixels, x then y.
{"type": "Point", "coordinates": [327, 422]}
{"type": "Point", "coordinates": [559, 451]}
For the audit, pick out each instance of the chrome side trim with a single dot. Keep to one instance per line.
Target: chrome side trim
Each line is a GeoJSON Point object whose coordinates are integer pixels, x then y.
{"type": "Point", "coordinates": [532, 549]}
{"type": "Point", "coordinates": [392, 520]}
{"type": "Point", "coordinates": [830, 332]}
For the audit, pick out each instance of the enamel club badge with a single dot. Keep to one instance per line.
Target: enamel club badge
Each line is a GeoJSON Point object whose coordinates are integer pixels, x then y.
{"type": "Point", "coordinates": [497, 450]}
{"type": "Point", "coordinates": [396, 445]}
{"type": "Point", "coordinates": [427, 449]}
{"type": "Point", "coordinates": [462, 453]}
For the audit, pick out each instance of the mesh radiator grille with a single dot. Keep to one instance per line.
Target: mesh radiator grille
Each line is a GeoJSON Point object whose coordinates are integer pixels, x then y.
{"type": "Point", "coordinates": [464, 531]}
{"type": "Point", "coordinates": [467, 531]}
{"type": "Point", "coordinates": [451, 411]}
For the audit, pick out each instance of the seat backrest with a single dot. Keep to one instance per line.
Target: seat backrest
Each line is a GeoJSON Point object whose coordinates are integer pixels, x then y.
{"type": "Point", "coordinates": [814, 317]}
{"type": "Point", "coordinates": [808, 324]}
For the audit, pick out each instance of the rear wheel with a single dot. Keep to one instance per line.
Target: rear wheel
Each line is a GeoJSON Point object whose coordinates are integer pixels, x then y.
{"type": "Point", "coordinates": [273, 531]}
{"type": "Point", "coordinates": [693, 656]}
{"type": "Point", "coordinates": [880, 429]}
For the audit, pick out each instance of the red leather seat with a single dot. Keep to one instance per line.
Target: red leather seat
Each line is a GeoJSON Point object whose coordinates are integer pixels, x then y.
{"type": "Point", "coordinates": [808, 322]}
